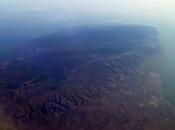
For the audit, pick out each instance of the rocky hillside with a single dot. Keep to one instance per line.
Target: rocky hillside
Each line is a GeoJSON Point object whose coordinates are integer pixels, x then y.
{"type": "Point", "coordinates": [91, 77]}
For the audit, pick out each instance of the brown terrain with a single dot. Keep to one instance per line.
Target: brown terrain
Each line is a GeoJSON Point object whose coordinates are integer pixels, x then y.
{"type": "Point", "coordinates": [90, 78]}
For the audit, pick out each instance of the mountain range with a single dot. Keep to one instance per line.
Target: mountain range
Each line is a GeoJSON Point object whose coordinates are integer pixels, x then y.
{"type": "Point", "coordinates": [90, 77]}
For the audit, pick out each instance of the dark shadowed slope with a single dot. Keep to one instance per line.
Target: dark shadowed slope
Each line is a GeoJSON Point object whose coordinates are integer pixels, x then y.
{"type": "Point", "coordinates": [93, 77]}
{"type": "Point", "coordinates": [88, 38]}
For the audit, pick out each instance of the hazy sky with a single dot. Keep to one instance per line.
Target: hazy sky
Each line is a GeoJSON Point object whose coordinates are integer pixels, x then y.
{"type": "Point", "coordinates": [72, 10]}
{"type": "Point", "coordinates": [26, 19]}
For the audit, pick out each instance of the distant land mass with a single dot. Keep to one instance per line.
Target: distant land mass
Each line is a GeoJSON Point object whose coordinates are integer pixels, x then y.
{"type": "Point", "coordinates": [96, 77]}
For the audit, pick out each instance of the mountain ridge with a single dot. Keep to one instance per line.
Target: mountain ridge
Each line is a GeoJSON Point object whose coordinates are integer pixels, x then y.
{"type": "Point", "coordinates": [103, 85]}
